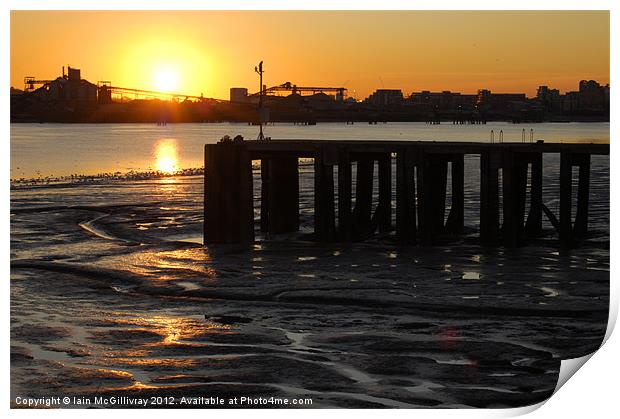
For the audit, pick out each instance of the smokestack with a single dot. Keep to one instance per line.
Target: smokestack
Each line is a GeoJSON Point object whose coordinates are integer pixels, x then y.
{"type": "Point", "coordinates": [63, 71]}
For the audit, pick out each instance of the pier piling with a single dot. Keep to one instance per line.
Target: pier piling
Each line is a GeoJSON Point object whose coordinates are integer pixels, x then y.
{"type": "Point", "coordinates": [345, 220]}
{"type": "Point", "coordinates": [406, 227]}
{"type": "Point", "coordinates": [533, 225]}
{"type": "Point", "coordinates": [283, 195]}
{"type": "Point", "coordinates": [490, 163]}
{"type": "Point", "coordinates": [228, 206]}
{"type": "Point", "coordinates": [264, 195]}
{"type": "Point", "coordinates": [569, 231]}
{"type": "Point", "coordinates": [384, 208]}
{"type": "Point", "coordinates": [324, 216]}
{"type": "Point", "coordinates": [456, 216]}
{"type": "Point", "coordinates": [362, 212]}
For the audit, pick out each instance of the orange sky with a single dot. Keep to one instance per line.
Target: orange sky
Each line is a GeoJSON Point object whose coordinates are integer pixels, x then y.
{"type": "Point", "coordinates": [211, 51]}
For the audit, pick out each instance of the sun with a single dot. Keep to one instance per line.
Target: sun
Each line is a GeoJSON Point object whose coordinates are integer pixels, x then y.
{"type": "Point", "coordinates": [166, 79]}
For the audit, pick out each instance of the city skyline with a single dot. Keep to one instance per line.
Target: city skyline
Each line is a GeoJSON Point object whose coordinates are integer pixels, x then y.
{"type": "Point", "coordinates": [208, 52]}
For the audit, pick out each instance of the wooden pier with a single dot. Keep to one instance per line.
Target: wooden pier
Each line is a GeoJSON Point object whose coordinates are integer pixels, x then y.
{"type": "Point", "coordinates": [421, 185]}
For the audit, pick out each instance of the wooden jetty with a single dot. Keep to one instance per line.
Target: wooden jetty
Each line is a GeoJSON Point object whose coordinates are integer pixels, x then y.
{"type": "Point", "coordinates": [421, 185]}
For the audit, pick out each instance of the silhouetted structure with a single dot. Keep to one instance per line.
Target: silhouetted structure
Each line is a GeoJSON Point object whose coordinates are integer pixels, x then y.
{"type": "Point", "coordinates": [70, 89]}
{"type": "Point", "coordinates": [421, 168]}
{"type": "Point", "coordinates": [592, 99]}
{"type": "Point", "coordinates": [385, 98]}
{"type": "Point", "coordinates": [72, 99]}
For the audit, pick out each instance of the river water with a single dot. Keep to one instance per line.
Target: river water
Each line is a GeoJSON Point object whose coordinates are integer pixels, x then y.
{"type": "Point", "coordinates": [87, 149]}
{"type": "Point", "coordinates": [113, 294]}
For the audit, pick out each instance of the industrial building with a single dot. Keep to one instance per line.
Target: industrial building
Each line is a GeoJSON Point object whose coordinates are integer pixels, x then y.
{"type": "Point", "coordinates": [69, 89]}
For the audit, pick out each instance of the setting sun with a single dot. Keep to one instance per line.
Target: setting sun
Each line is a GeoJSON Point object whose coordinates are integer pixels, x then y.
{"type": "Point", "coordinates": [166, 156]}
{"type": "Point", "coordinates": [166, 79]}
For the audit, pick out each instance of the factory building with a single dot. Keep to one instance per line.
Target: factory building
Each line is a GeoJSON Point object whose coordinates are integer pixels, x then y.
{"type": "Point", "coordinates": [70, 89]}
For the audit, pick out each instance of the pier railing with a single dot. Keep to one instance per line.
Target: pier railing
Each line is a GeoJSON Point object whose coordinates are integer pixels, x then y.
{"type": "Point", "coordinates": [421, 168]}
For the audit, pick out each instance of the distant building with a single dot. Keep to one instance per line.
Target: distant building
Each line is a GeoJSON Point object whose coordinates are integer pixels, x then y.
{"type": "Point", "coordinates": [500, 102]}
{"type": "Point", "coordinates": [70, 89]}
{"type": "Point", "coordinates": [570, 102]}
{"type": "Point", "coordinates": [446, 100]}
{"type": "Point", "coordinates": [485, 97]}
{"type": "Point", "coordinates": [385, 97]}
{"type": "Point", "coordinates": [592, 96]}
{"type": "Point", "coordinates": [549, 99]}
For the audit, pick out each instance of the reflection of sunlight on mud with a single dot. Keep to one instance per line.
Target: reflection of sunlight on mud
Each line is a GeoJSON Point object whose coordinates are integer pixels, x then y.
{"type": "Point", "coordinates": [174, 329]}
{"type": "Point", "coordinates": [136, 330]}
{"type": "Point", "coordinates": [114, 373]}
{"type": "Point", "coordinates": [170, 265]}
{"type": "Point", "coordinates": [160, 362]}
{"type": "Point", "coordinates": [139, 386]}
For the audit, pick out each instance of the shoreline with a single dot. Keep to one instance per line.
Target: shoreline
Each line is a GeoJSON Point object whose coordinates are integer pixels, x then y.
{"type": "Point", "coordinates": [447, 121]}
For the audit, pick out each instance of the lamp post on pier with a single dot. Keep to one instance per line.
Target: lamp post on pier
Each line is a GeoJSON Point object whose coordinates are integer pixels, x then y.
{"type": "Point", "coordinates": [259, 69]}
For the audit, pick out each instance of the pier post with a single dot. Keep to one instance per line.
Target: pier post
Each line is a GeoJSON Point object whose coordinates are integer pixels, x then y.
{"type": "Point", "coordinates": [324, 215]}
{"type": "Point", "coordinates": [514, 177]}
{"type": "Point", "coordinates": [363, 196]}
{"type": "Point", "coordinates": [566, 191]}
{"type": "Point", "coordinates": [456, 217]}
{"type": "Point", "coordinates": [583, 196]}
{"type": "Point", "coordinates": [405, 197]}
{"type": "Point", "coordinates": [533, 225]}
{"type": "Point", "coordinates": [489, 197]}
{"type": "Point", "coordinates": [228, 198]}
{"type": "Point", "coordinates": [422, 173]}
{"type": "Point", "coordinates": [264, 195]}
{"type": "Point", "coordinates": [384, 208]}
{"type": "Point", "coordinates": [432, 181]}
{"type": "Point", "coordinates": [345, 221]}
{"type": "Point", "coordinates": [570, 231]}
{"type": "Point", "coordinates": [283, 195]}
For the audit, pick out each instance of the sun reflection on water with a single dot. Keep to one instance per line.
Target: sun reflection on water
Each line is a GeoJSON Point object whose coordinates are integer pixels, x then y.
{"type": "Point", "coordinates": [166, 159]}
